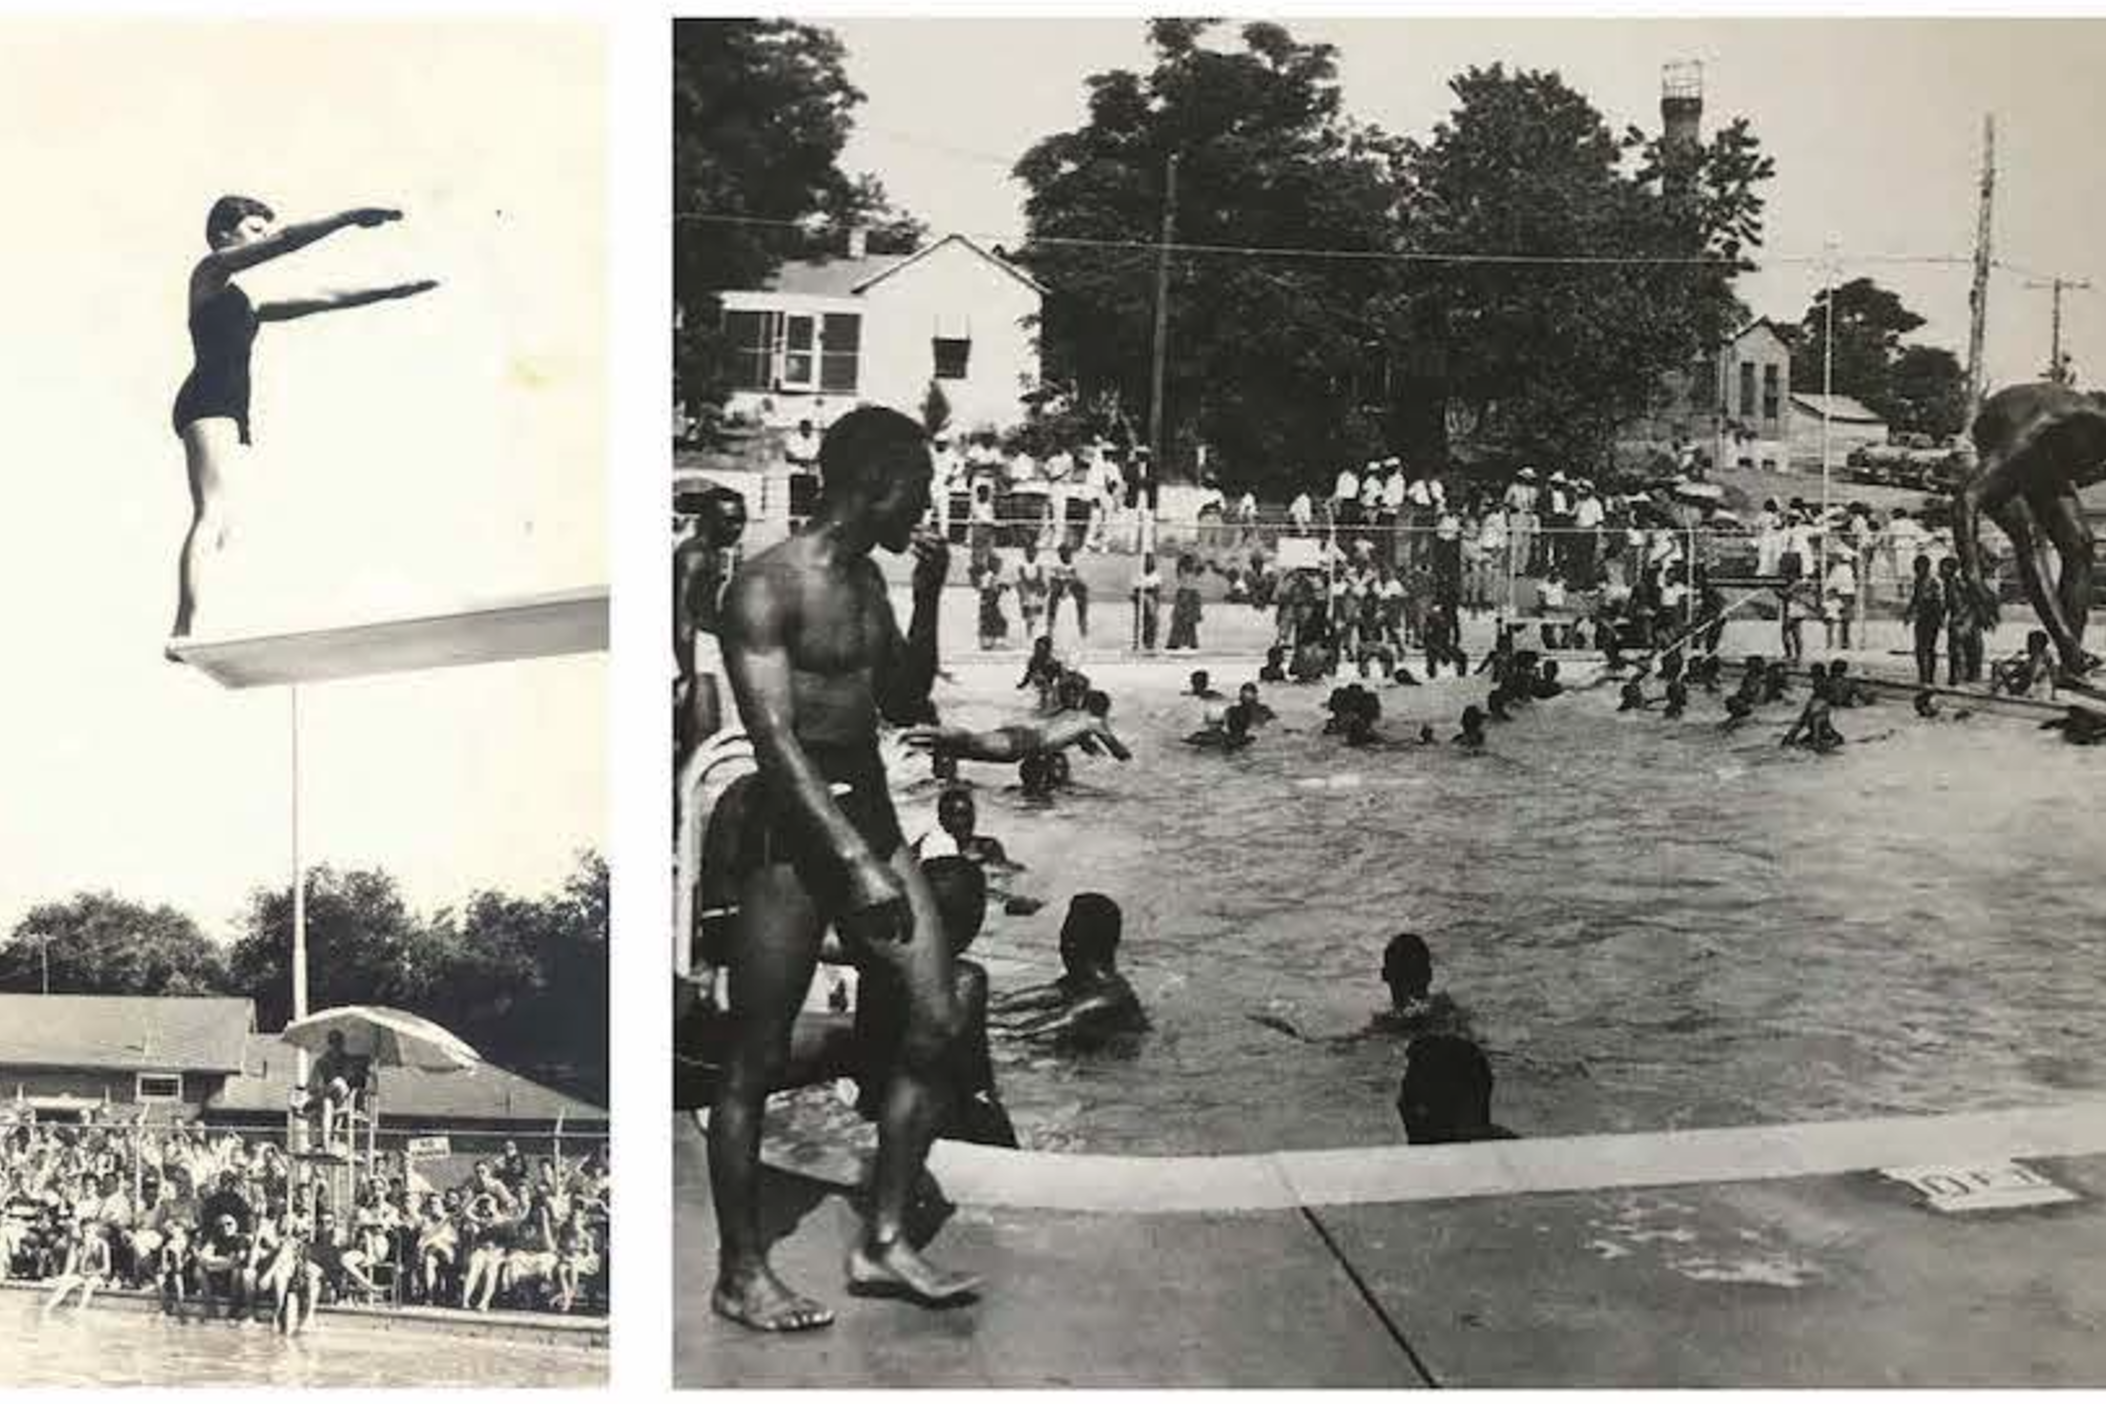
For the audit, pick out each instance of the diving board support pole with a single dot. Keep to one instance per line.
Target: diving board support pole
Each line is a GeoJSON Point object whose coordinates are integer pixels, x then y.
{"type": "Point", "coordinates": [299, 897]}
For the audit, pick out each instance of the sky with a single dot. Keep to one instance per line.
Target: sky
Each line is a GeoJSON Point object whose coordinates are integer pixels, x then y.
{"type": "Point", "coordinates": [412, 454]}
{"type": "Point", "coordinates": [1875, 126]}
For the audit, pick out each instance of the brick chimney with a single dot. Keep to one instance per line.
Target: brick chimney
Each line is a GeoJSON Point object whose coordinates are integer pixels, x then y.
{"type": "Point", "coordinates": [858, 241]}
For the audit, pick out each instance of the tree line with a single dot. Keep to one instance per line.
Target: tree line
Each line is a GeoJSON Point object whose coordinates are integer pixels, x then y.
{"type": "Point", "coordinates": [523, 979]}
{"type": "Point", "coordinates": [1331, 297]}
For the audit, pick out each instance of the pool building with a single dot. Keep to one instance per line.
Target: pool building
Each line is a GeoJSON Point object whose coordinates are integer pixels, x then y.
{"type": "Point", "coordinates": [77, 1058]}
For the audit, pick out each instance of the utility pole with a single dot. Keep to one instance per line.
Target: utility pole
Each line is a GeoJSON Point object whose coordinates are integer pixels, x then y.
{"type": "Point", "coordinates": [1978, 295]}
{"type": "Point", "coordinates": [1162, 343]}
{"type": "Point", "coordinates": [2057, 284]}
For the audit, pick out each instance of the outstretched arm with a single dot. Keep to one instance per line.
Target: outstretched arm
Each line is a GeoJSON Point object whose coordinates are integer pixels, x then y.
{"type": "Point", "coordinates": [1005, 744]}
{"type": "Point", "coordinates": [291, 308]}
{"type": "Point", "coordinates": [287, 238]}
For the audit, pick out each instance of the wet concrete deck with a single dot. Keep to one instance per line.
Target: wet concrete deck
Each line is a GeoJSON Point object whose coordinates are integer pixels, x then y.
{"type": "Point", "coordinates": [1623, 1261]}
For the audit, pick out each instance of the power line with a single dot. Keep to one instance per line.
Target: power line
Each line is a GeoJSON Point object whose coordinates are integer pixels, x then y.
{"type": "Point", "coordinates": [1757, 260]}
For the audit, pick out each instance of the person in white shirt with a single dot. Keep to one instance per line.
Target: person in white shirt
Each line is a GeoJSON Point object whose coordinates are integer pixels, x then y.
{"type": "Point", "coordinates": [1345, 498]}
{"type": "Point", "coordinates": [1839, 599]}
{"type": "Point", "coordinates": [1300, 512]}
{"type": "Point", "coordinates": [1587, 517]}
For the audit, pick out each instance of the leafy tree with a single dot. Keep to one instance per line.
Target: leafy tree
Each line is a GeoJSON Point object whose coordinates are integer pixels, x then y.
{"type": "Point", "coordinates": [761, 110]}
{"type": "Point", "coordinates": [364, 946]}
{"type": "Point", "coordinates": [1870, 322]}
{"type": "Point", "coordinates": [1928, 389]}
{"type": "Point", "coordinates": [1532, 356]}
{"type": "Point", "coordinates": [1265, 351]}
{"type": "Point", "coordinates": [98, 943]}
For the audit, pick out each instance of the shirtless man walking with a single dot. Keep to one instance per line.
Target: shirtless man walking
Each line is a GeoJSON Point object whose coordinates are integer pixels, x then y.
{"type": "Point", "coordinates": [816, 660]}
{"type": "Point", "coordinates": [2038, 445]}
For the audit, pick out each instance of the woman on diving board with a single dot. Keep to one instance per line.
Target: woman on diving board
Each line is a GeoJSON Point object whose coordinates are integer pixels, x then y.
{"type": "Point", "coordinates": [211, 414]}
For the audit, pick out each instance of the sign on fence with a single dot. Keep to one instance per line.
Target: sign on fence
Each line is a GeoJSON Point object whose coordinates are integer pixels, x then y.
{"type": "Point", "coordinates": [428, 1147]}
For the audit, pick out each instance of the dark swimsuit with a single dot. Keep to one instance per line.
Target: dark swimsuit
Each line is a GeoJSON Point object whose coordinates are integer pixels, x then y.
{"type": "Point", "coordinates": [222, 329]}
{"type": "Point", "coordinates": [771, 829]}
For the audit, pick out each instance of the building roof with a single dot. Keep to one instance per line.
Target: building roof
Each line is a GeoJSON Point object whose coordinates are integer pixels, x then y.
{"type": "Point", "coordinates": [852, 277]}
{"type": "Point", "coordinates": [484, 1093]}
{"type": "Point", "coordinates": [1762, 323]}
{"type": "Point", "coordinates": [1838, 407]}
{"type": "Point", "coordinates": [144, 1033]}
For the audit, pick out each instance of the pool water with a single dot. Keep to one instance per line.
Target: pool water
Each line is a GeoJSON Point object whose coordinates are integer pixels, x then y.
{"type": "Point", "coordinates": [1651, 924]}
{"type": "Point", "coordinates": [113, 1346]}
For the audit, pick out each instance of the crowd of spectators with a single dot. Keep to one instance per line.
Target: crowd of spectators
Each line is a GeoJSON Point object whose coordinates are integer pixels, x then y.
{"type": "Point", "coordinates": [212, 1216]}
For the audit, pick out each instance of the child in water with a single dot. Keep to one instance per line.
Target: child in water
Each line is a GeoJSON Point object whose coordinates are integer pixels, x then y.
{"type": "Point", "coordinates": [1471, 737]}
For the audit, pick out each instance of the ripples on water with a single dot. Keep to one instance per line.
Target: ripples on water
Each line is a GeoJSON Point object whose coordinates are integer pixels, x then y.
{"type": "Point", "coordinates": [102, 1346]}
{"type": "Point", "coordinates": [1653, 924]}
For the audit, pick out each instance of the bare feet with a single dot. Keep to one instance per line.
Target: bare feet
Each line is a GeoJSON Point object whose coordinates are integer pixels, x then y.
{"type": "Point", "coordinates": [765, 1303]}
{"type": "Point", "coordinates": [893, 1269]}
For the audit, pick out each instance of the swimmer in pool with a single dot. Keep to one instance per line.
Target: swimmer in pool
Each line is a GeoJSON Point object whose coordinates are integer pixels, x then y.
{"type": "Point", "coordinates": [1927, 708]}
{"type": "Point", "coordinates": [1230, 733]}
{"type": "Point", "coordinates": [1777, 682]}
{"type": "Point", "coordinates": [1677, 699]}
{"type": "Point", "coordinates": [1446, 1093]}
{"type": "Point", "coordinates": [1632, 698]}
{"type": "Point", "coordinates": [1005, 745]}
{"type": "Point", "coordinates": [211, 414]}
{"type": "Point", "coordinates": [1546, 683]}
{"type": "Point", "coordinates": [1091, 1003]}
{"type": "Point", "coordinates": [2027, 674]}
{"type": "Point", "coordinates": [1043, 669]}
{"type": "Point", "coordinates": [1427, 736]}
{"type": "Point", "coordinates": [1034, 775]}
{"type": "Point", "coordinates": [957, 818]}
{"type": "Point", "coordinates": [1471, 737]}
{"type": "Point", "coordinates": [1738, 709]}
{"type": "Point", "coordinates": [816, 660]}
{"type": "Point", "coordinates": [1846, 691]}
{"type": "Point", "coordinates": [1415, 1007]}
{"type": "Point", "coordinates": [1201, 686]}
{"type": "Point", "coordinates": [1275, 669]}
{"type": "Point", "coordinates": [1259, 713]}
{"type": "Point", "coordinates": [1495, 705]}
{"type": "Point", "coordinates": [2080, 726]}
{"type": "Point", "coordinates": [1815, 727]}
{"type": "Point", "coordinates": [1404, 677]}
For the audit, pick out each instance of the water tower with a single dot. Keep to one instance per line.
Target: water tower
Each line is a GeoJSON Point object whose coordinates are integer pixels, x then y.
{"type": "Point", "coordinates": [1682, 104]}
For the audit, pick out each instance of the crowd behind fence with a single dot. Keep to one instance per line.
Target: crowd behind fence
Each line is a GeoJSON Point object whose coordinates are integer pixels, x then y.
{"type": "Point", "coordinates": [1857, 568]}
{"type": "Point", "coordinates": [229, 1219]}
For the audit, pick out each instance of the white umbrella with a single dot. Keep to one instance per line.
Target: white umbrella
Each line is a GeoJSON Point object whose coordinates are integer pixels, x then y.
{"type": "Point", "coordinates": [386, 1038]}
{"type": "Point", "coordinates": [1700, 492]}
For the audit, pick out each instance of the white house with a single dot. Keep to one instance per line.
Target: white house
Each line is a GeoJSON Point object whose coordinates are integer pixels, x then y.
{"type": "Point", "coordinates": [827, 335]}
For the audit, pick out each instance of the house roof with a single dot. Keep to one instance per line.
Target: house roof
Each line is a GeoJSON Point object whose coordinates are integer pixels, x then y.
{"type": "Point", "coordinates": [484, 1093]}
{"type": "Point", "coordinates": [144, 1033]}
{"type": "Point", "coordinates": [852, 277]}
{"type": "Point", "coordinates": [1837, 407]}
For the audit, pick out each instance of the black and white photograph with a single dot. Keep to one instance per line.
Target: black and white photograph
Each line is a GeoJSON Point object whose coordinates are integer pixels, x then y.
{"type": "Point", "coordinates": [304, 1064]}
{"type": "Point", "coordinates": [1385, 702]}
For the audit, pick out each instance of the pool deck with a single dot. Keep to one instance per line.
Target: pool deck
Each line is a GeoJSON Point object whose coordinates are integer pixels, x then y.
{"type": "Point", "coordinates": [1757, 1256]}
{"type": "Point", "coordinates": [516, 1327]}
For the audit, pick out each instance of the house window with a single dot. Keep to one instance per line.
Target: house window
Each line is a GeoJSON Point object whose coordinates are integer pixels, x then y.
{"type": "Point", "coordinates": [159, 1087]}
{"type": "Point", "coordinates": [840, 342]}
{"type": "Point", "coordinates": [752, 348]}
{"type": "Point", "coordinates": [800, 352]}
{"type": "Point", "coordinates": [952, 354]}
{"type": "Point", "coordinates": [1769, 395]}
{"type": "Point", "coordinates": [1747, 389]}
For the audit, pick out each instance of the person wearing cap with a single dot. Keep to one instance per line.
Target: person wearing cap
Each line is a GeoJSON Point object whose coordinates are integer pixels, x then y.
{"type": "Point", "coordinates": [1587, 516]}
{"type": "Point", "coordinates": [1371, 494]}
{"type": "Point", "coordinates": [1091, 1003]}
{"type": "Point", "coordinates": [1300, 513]}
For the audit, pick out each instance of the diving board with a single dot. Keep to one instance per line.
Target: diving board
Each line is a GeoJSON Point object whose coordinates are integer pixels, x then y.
{"type": "Point", "coordinates": [495, 630]}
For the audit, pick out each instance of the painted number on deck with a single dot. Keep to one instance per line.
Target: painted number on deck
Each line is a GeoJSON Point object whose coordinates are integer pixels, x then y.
{"type": "Point", "coordinates": [1967, 1189]}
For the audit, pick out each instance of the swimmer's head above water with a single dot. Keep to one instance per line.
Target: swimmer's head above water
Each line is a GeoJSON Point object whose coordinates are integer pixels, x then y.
{"type": "Point", "coordinates": [1089, 936]}
{"type": "Point", "coordinates": [1407, 968]}
{"type": "Point", "coordinates": [956, 814]}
